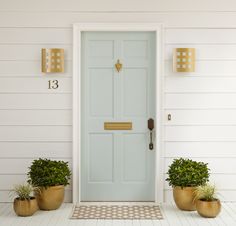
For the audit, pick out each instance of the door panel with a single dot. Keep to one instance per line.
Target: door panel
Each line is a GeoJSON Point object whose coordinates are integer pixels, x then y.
{"type": "Point", "coordinates": [135, 155]}
{"type": "Point", "coordinates": [101, 92]}
{"type": "Point", "coordinates": [135, 88]}
{"type": "Point", "coordinates": [101, 158]}
{"type": "Point", "coordinates": [117, 164]}
{"type": "Point", "coordinates": [135, 48]}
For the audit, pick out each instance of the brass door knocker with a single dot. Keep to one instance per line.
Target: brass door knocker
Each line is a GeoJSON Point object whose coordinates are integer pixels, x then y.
{"type": "Point", "coordinates": [118, 65]}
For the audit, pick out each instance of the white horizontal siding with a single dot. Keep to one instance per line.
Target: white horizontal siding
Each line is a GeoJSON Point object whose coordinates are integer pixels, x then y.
{"type": "Point", "coordinates": [36, 122]}
{"type": "Point", "coordinates": [202, 105]}
{"type": "Point", "coordinates": [205, 68]}
{"type": "Point", "coordinates": [200, 149]}
{"type": "Point", "coordinates": [35, 101]}
{"type": "Point", "coordinates": [21, 165]}
{"type": "Point", "coordinates": [29, 52]}
{"type": "Point", "coordinates": [178, 84]}
{"type": "Point", "coordinates": [201, 117]}
{"type": "Point", "coordinates": [131, 5]}
{"type": "Point", "coordinates": [35, 117]}
{"type": "Point", "coordinates": [32, 150]}
{"type": "Point", "coordinates": [200, 133]}
{"type": "Point", "coordinates": [223, 165]}
{"type": "Point", "coordinates": [207, 52]}
{"type": "Point", "coordinates": [34, 85]}
{"type": "Point", "coordinates": [29, 69]}
{"type": "Point", "coordinates": [200, 101]}
{"type": "Point", "coordinates": [35, 36]}
{"type": "Point", "coordinates": [35, 133]}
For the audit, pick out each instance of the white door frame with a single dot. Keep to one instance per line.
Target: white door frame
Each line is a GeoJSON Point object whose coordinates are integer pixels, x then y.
{"type": "Point", "coordinates": [78, 28]}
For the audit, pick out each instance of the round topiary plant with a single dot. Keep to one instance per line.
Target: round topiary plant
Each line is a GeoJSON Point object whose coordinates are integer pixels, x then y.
{"type": "Point", "coordinates": [51, 177]}
{"type": "Point", "coordinates": [184, 175]}
{"type": "Point", "coordinates": [46, 172]}
{"type": "Point", "coordinates": [187, 173]}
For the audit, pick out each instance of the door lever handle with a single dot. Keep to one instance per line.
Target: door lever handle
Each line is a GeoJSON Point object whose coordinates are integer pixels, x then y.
{"type": "Point", "coordinates": [151, 127]}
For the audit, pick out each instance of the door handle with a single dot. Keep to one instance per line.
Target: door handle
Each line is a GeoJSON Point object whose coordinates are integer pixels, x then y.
{"type": "Point", "coordinates": [150, 123]}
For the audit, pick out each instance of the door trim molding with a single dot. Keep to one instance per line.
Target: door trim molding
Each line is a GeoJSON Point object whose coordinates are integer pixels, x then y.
{"type": "Point", "coordinates": [78, 28]}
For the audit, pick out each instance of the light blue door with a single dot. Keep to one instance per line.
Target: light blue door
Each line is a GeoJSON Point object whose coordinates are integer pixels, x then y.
{"type": "Point", "coordinates": [117, 165]}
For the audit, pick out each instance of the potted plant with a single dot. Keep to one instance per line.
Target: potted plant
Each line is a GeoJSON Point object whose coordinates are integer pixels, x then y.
{"type": "Point", "coordinates": [25, 203]}
{"type": "Point", "coordinates": [207, 203]}
{"type": "Point", "coordinates": [51, 177]}
{"type": "Point", "coordinates": [184, 175]}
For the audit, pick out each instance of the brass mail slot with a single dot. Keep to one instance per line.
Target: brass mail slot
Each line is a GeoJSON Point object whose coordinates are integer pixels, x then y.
{"type": "Point", "coordinates": [117, 125]}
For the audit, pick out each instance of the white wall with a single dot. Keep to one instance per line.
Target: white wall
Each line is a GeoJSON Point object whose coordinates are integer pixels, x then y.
{"type": "Point", "coordinates": [36, 122]}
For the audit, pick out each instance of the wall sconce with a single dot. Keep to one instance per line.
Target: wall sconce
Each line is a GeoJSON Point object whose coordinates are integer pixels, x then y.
{"type": "Point", "coordinates": [184, 60]}
{"type": "Point", "coordinates": [52, 60]}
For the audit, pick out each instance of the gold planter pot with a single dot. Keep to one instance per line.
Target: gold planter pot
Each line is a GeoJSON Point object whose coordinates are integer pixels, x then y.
{"type": "Point", "coordinates": [51, 198]}
{"type": "Point", "coordinates": [208, 208]}
{"type": "Point", "coordinates": [26, 207]}
{"type": "Point", "coordinates": [184, 198]}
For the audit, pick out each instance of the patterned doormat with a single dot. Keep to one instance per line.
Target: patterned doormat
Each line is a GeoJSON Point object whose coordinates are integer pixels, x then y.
{"type": "Point", "coordinates": [124, 212]}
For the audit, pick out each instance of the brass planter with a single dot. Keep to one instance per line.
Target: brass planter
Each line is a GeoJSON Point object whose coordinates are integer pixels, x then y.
{"type": "Point", "coordinates": [184, 198]}
{"type": "Point", "coordinates": [51, 198]}
{"type": "Point", "coordinates": [26, 207]}
{"type": "Point", "coordinates": [208, 208]}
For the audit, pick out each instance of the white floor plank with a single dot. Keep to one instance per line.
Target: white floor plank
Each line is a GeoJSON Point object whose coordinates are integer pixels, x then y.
{"type": "Point", "coordinates": [172, 217]}
{"type": "Point", "coordinates": [164, 222]}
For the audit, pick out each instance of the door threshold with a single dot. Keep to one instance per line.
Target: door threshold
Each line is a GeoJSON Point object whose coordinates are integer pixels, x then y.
{"type": "Point", "coordinates": [117, 203]}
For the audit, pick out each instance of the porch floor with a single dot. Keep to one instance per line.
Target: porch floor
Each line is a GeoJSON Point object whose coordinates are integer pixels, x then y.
{"type": "Point", "coordinates": [172, 216]}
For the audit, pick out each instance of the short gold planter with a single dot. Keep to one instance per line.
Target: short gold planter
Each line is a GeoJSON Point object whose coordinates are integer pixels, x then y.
{"type": "Point", "coordinates": [26, 207]}
{"type": "Point", "coordinates": [184, 198]}
{"type": "Point", "coordinates": [51, 198]}
{"type": "Point", "coordinates": [208, 208]}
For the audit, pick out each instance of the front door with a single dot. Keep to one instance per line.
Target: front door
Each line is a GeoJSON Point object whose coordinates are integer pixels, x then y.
{"type": "Point", "coordinates": [118, 85]}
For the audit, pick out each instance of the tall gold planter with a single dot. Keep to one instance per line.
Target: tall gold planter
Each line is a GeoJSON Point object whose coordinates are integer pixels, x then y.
{"type": "Point", "coordinates": [51, 198]}
{"type": "Point", "coordinates": [184, 198]}
{"type": "Point", "coordinates": [208, 208]}
{"type": "Point", "coordinates": [26, 207]}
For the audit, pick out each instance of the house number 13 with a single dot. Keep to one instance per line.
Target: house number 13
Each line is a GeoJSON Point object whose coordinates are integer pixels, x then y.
{"type": "Point", "coordinates": [53, 84]}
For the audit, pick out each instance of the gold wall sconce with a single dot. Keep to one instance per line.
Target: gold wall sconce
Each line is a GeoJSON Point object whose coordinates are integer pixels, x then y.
{"type": "Point", "coordinates": [184, 60]}
{"type": "Point", "coordinates": [52, 60]}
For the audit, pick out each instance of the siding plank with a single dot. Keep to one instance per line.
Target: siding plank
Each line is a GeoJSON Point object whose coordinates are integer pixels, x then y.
{"type": "Point", "coordinates": [200, 36]}
{"type": "Point", "coordinates": [205, 68]}
{"type": "Point", "coordinates": [35, 36]}
{"type": "Point", "coordinates": [35, 101]}
{"type": "Point", "coordinates": [35, 117]}
{"type": "Point", "coordinates": [200, 133]}
{"type": "Point", "coordinates": [200, 149]}
{"type": "Point", "coordinates": [217, 165]}
{"type": "Point", "coordinates": [205, 52]}
{"type": "Point", "coordinates": [204, 84]}
{"type": "Point", "coordinates": [104, 5]}
{"type": "Point", "coordinates": [30, 150]}
{"type": "Point", "coordinates": [34, 85]}
{"type": "Point", "coordinates": [29, 69]}
{"type": "Point", "coordinates": [35, 133]}
{"type": "Point", "coordinates": [21, 166]}
{"type": "Point", "coordinates": [28, 52]}
{"type": "Point", "coordinates": [201, 117]}
{"type": "Point", "coordinates": [200, 101]}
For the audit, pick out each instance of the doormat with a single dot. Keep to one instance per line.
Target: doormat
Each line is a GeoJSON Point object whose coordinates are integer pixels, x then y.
{"type": "Point", "coordinates": [124, 212]}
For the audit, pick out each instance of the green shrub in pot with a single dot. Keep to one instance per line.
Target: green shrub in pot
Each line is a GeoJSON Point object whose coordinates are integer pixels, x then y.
{"type": "Point", "coordinates": [51, 176]}
{"type": "Point", "coordinates": [184, 175]}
